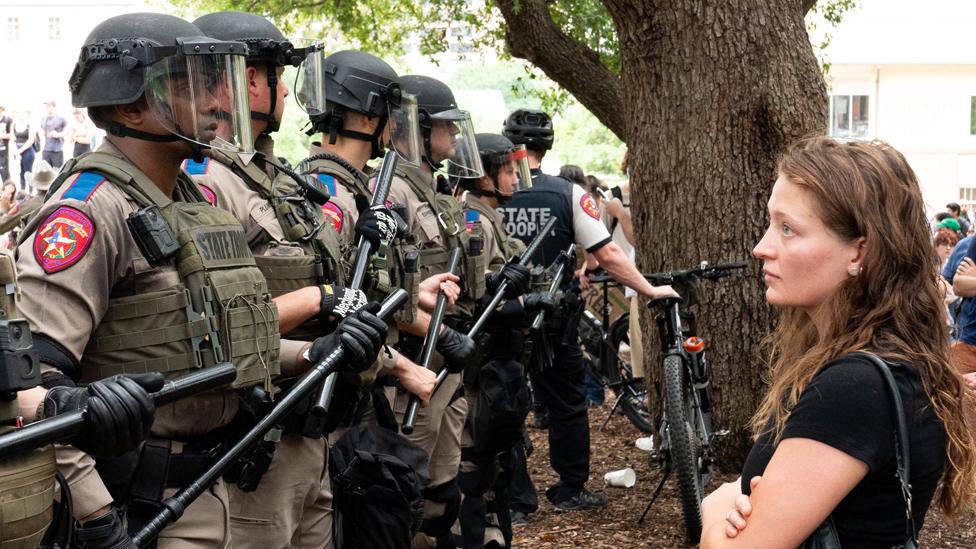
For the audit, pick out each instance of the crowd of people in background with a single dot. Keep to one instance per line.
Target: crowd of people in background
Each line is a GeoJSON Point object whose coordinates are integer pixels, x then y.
{"type": "Point", "coordinates": [25, 139]}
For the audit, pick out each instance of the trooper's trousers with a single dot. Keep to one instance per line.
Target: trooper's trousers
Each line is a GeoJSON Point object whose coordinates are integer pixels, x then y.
{"type": "Point", "coordinates": [292, 505]}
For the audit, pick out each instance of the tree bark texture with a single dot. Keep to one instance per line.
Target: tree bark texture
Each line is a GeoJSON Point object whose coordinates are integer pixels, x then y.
{"type": "Point", "coordinates": [712, 93]}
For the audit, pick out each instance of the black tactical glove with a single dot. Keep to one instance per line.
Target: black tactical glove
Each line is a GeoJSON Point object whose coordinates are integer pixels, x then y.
{"type": "Point", "coordinates": [118, 412]}
{"type": "Point", "coordinates": [104, 532]}
{"type": "Point", "coordinates": [361, 335]}
{"type": "Point", "coordinates": [339, 302]}
{"type": "Point", "coordinates": [457, 349]}
{"type": "Point", "coordinates": [518, 278]}
{"type": "Point", "coordinates": [376, 223]}
{"type": "Point", "coordinates": [540, 301]}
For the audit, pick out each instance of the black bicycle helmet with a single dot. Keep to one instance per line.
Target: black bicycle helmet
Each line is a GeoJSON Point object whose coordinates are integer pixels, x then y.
{"type": "Point", "coordinates": [529, 127]}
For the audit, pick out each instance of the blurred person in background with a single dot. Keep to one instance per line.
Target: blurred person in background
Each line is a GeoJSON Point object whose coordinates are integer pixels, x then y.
{"type": "Point", "coordinates": [54, 131]}
{"type": "Point", "coordinates": [5, 138]}
{"type": "Point", "coordinates": [7, 196]}
{"type": "Point", "coordinates": [24, 139]}
{"type": "Point", "coordinates": [81, 131]}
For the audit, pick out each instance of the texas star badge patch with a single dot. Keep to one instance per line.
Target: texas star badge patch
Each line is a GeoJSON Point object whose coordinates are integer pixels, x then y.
{"type": "Point", "coordinates": [334, 214]}
{"type": "Point", "coordinates": [209, 194]}
{"type": "Point", "coordinates": [62, 239]}
{"type": "Point", "coordinates": [589, 206]}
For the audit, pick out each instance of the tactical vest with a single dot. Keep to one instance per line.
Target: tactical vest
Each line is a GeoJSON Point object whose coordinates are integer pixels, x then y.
{"type": "Point", "coordinates": [27, 479]}
{"type": "Point", "coordinates": [529, 210]}
{"type": "Point", "coordinates": [508, 246]}
{"type": "Point", "coordinates": [451, 225]}
{"type": "Point", "coordinates": [220, 311]}
{"type": "Point", "coordinates": [320, 260]}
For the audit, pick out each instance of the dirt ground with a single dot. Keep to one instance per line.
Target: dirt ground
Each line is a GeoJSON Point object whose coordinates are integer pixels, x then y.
{"type": "Point", "coordinates": [616, 526]}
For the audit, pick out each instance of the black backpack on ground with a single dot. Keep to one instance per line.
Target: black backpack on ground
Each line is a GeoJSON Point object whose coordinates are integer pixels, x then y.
{"type": "Point", "coordinates": [499, 410]}
{"type": "Point", "coordinates": [377, 480]}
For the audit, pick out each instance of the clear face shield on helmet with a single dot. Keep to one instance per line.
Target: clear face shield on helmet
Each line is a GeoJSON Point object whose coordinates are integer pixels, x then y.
{"type": "Point", "coordinates": [403, 128]}
{"type": "Point", "coordinates": [200, 94]}
{"type": "Point", "coordinates": [310, 81]}
{"type": "Point", "coordinates": [452, 141]}
{"type": "Point", "coordinates": [520, 155]}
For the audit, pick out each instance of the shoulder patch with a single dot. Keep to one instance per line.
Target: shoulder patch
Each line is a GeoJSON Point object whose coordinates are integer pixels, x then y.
{"type": "Point", "coordinates": [333, 213]}
{"type": "Point", "coordinates": [209, 194]}
{"type": "Point", "coordinates": [62, 239]}
{"type": "Point", "coordinates": [589, 206]}
{"type": "Point", "coordinates": [470, 217]}
{"type": "Point", "coordinates": [83, 186]}
{"type": "Point", "coordinates": [329, 182]}
{"type": "Point", "coordinates": [193, 167]}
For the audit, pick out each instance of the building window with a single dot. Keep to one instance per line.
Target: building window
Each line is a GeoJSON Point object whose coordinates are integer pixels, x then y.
{"type": "Point", "coordinates": [972, 115]}
{"type": "Point", "coordinates": [967, 195]}
{"type": "Point", "coordinates": [13, 29]}
{"type": "Point", "coordinates": [849, 116]}
{"type": "Point", "coordinates": [54, 29]}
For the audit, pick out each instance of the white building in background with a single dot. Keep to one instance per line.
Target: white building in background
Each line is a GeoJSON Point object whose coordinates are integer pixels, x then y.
{"type": "Point", "coordinates": [39, 44]}
{"type": "Point", "coordinates": [905, 72]}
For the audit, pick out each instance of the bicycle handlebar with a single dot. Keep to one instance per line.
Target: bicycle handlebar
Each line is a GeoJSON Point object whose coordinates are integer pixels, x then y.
{"type": "Point", "coordinates": [704, 270]}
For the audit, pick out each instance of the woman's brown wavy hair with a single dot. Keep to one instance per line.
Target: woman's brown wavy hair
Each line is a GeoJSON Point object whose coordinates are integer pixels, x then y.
{"type": "Point", "coordinates": [893, 307]}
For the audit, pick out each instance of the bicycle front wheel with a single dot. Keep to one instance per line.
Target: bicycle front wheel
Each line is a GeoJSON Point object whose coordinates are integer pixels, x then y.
{"type": "Point", "coordinates": [685, 449]}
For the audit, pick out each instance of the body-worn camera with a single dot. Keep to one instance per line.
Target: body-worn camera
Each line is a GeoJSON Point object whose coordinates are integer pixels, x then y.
{"type": "Point", "coordinates": [20, 369]}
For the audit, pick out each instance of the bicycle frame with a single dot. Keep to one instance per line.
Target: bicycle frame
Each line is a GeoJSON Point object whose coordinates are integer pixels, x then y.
{"type": "Point", "coordinates": [673, 335]}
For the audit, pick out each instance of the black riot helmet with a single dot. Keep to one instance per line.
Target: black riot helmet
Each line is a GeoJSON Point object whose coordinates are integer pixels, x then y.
{"type": "Point", "coordinates": [498, 155]}
{"type": "Point", "coordinates": [438, 113]}
{"type": "Point", "coordinates": [190, 81]}
{"type": "Point", "coordinates": [529, 127]}
{"type": "Point", "coordinates": [266, 46]}
{"type": "Point", "coordinates": [354, 81]}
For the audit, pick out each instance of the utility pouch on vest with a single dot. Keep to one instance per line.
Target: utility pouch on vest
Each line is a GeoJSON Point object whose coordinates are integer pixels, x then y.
{"type": "Point", "coordinates": [411, 283]}
{"type": "Point", "coordinates": [153, 235]}
{"type": "Point", "coordinates": [475, 263]}
{"type": "Point", "coordinates": [26, 497]}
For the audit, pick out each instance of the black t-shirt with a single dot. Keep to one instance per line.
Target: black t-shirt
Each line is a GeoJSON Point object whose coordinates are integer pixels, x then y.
{"type": "Point", "coordinates": [848, 406]}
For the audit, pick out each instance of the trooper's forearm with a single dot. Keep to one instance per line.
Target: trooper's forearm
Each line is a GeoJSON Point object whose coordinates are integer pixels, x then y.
{"type": "Point", "coordinates": [419, 325]}
{"type": "Point", "coordinates": [622, 269]}
{"type": "Point", "coordinates": [296, 307]}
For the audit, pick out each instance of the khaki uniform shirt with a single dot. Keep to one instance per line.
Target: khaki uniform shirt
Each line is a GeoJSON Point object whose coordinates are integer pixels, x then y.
{"type": "Point", "coordinates": [421, 217]}
{"type": "Point", "coordinates": [341, 208]}
{"type": "Point", "coordinates": [261, 226]}
{"type": "Point", "coordinates": [66, 306]}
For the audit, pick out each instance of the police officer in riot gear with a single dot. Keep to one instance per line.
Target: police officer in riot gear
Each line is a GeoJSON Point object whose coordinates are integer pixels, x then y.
{"type": "Point", "coordinates": [437, 223]}
{"type": "Point", "coordinates": [499, 400]}
{"type": "Point", "coordinates": [287, 498]}
{"type": "Point", "coordinates": [561, 387]}
{"type": "Point", "coordinates": [126, 268]}
{"type": "Point", "coordinates": [362, 113]}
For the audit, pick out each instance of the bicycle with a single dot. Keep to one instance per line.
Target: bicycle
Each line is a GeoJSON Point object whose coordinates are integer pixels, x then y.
{"type": "Point", "coordinates": [601, 342]}
{"type": "Point", "coordinates": [685, 429]}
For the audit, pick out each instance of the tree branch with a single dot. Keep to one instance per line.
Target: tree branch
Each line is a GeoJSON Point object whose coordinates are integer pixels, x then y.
{"type": "Point", "coordinates": [807, 5]}
{"type": "Point", "coordinates": [532, 35]}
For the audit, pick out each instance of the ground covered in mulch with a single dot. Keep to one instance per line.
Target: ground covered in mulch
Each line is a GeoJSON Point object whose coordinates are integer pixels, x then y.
{"type": "Point", "coordinates": [616, 526]}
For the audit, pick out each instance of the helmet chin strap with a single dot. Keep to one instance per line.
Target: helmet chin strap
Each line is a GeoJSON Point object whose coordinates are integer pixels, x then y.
{"type": "Point", "coordinates": [269, 117]}
{"type": "Point", "coordinates": [335, 129]}
{"type": "Point", "coordinates": [121, 130]}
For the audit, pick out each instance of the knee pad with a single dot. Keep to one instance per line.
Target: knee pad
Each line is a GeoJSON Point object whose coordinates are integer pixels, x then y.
{"type": "Point", "coordinates": [448, 495]}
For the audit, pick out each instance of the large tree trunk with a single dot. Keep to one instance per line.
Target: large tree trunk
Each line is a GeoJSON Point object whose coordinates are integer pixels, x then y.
{"type": "Point", "coordinates": [712, 95]}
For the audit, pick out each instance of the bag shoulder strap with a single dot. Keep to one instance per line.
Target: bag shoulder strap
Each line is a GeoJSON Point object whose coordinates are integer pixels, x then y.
{"type": "Point", "coordinates": [902, 453]}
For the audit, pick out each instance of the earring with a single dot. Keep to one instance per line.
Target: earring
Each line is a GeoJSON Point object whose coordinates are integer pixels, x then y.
{"type": "Point", "coordinates": [854, 270]}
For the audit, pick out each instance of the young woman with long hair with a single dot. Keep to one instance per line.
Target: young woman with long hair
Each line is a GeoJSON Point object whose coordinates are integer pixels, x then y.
{"type": "Point", "coordinates": [848, 261]}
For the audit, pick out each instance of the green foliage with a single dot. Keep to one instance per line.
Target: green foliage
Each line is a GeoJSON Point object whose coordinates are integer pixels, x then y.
{"type": "Point", "coordinates": [829, 14]}
{"type": "Point", "coordinates": [582, 140]}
